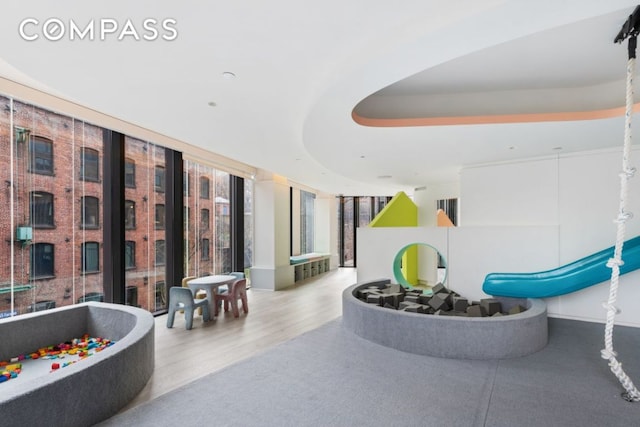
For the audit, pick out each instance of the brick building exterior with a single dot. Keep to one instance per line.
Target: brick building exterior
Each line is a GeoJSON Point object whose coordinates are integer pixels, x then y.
{"type": "Point", "coordinates": [53, 191]}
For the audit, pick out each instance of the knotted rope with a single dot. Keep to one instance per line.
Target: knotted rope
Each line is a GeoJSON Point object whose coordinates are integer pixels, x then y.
{"type": "Point", "coordinates": [631, 393]}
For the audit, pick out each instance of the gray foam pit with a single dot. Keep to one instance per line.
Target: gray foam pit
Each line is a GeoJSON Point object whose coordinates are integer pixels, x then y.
{"type": "Point", "coordinates": [449, 336]}
{"type": "Point", "coordinates": [516, 309]}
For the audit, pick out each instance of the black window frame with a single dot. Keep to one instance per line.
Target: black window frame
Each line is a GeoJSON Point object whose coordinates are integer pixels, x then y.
{"type": "Point", "coordinates": [129, 210]}
{"type": "Point", "coordinates": [129, 173]}
{"type": "Point", "coordinates": [37, 255]}
{"type": "Point", "coordinates": [41, 161]}
{"type": "Point", "coordinates": [129, 254]}
{"type": "Point", "coordinates": [160, 248]}
{"type": "Point", "coordinates": [36, 215]}
{"type": "Point", "coordinates": [159, 179]}
{"type": "Point", "coordinates": [83, 213]}
{"type": "Point", "coordinates": [205, 188]}
{"type": "Point", "coordinates": [94, 162]}
{"type": "Point", "coordinates": [159, 216]}
{"type": "Point", "coordinates": [205, 223]}
{"type": "Point", "coordinates": [205, 249]}
{"type": "Point", "coordinates": [84, 247]}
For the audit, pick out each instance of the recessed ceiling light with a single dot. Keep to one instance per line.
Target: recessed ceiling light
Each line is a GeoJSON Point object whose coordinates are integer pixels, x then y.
{"type": "Point", "coordinates": [211, 104]}
{"type": "Point", "coordinates": [228, 75]}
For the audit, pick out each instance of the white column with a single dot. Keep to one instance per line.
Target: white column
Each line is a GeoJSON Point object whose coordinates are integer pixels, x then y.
{"type": "Point", "coordinates": [271, 268]}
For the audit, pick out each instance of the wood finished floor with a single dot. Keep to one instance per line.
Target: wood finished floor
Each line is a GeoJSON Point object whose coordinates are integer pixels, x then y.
{"type": "Point", "coordinates": [182, 356]}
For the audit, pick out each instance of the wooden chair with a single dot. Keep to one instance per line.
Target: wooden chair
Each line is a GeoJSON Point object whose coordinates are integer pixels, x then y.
{"type": "Point", "coordinates": [237, 291]}
{"type": "Point", "coordinates": [182, 299]}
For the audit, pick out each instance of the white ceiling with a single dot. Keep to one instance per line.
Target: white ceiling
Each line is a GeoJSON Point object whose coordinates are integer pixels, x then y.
{"type": "Point", "coordinates": [302, 67]}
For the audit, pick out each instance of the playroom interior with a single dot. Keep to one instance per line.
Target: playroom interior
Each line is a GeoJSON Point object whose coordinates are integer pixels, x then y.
{"type": "Point", "coordinates": [488, 276]}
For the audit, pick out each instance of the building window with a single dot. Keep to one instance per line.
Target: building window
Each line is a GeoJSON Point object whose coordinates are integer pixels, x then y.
{"type": "Point", "coordinates": [129, 254]}
{"type": "Point", "coordinates": [159, 179]}
{"type": "Point", "coordinates": [129, 173]}
{"type": "Point", "coordinates": [450, 208]}
{"type": "Point", "coordinates": [159, 220]}
{"type": "Point", "coordinates": [90, 212]}
{"type": "Point", "coordinates": [186, 184]}
{"type": "Point", "coordinates": [42, 260]}
{"type": "Point", "coordinates": [129, 214]}
{"type": "Point", "coordinates": [160, 253]}
{"type": "Point", "coordinates": [41, 155]}
{"type": "Point", "coordinates": [41, 209]}
{"type": "Point", "coordinates": [161, 295]}
{"type": "Point", "coordinates": [90, 257]}
{"type": "Point", "coordinates": [204, 187]}
{"type": "Point", "coordinates": [205, 250]}
{"type": "Point", "coordinates": [307, 214]}
{"type": "Point", "coordinates": [89, 165]}
{"type": "Point", "coordinates": [204, 219]}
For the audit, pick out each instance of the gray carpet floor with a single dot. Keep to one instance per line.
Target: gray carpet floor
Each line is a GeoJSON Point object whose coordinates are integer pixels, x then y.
{"type": "Point", "coordinates": [331, 377]}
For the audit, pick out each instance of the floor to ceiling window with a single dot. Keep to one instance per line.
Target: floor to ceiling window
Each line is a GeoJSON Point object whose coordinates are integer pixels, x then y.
{"type": "Point", "coordinates": [248, 224]}
{"type": "Point", "coordinates": [347, 232]}
{"type": "Point", "coordinates": [354, 212]}
{"type": "Point", "coordinates": [63, 230]}
{"type": "Point", "coordinates": [207, 233]}
{"type": "Point", "coordinates": [52, 203]}
{"type": "Point", "coordinates": [307, 228]}
{"type": "Point", "coordinates": [144, 220]}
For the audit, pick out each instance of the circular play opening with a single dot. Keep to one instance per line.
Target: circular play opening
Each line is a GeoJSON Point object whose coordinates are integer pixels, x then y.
{"type": "Point", "coordinates": [411, 253]}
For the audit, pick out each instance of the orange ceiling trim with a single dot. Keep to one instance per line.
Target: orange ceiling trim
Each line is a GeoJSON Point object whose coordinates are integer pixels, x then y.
{"type": "Point", "coordinates": [493, 119]}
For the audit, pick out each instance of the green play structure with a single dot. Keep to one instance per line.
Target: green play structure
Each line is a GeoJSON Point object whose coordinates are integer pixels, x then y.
{"type": "Point", "coordinates": [402, 212]}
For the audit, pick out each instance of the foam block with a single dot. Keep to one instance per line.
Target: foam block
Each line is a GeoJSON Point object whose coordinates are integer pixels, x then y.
{"type": "Point", "coordinates": [460, 304]}
{"type": "Point", "coordinates": [476, 311]}
{"type": "Point", "coordinates": [439, 303]}
{"type": "Point", "coordinates": [491, 306]}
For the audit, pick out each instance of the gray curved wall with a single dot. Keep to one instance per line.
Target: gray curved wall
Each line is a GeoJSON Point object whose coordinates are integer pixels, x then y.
{"type": "Point", "coordinates": [448, 336]}
{"type": "Point", "coordinates": [86, 392]}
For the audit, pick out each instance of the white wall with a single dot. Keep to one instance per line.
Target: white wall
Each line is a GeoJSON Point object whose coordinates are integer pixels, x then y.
{"type": "Point", "coordinates": [525, 216]}
{"type": "Point", "coordinates": [578, 192]}
{"type": "Point", "coordinates": [427, 196]}
{"type": "Point", "coordinates": [378, 246]}
{"type": "Point", "coordinates": [470, 252]}
{"type": "Point", "coordinates": [475, 252]}
{"type": "Point", "coordinates": [521, 193]}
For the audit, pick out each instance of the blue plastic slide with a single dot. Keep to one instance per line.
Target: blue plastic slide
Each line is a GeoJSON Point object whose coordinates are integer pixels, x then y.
{"type": "Point", "coordinates": [572, 277]}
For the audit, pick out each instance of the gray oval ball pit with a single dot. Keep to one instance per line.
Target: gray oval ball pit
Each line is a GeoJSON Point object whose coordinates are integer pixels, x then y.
{"type": "Point", "coordinates": [448, 336]}
{"type": "Point", "coordinates": [86, 392]}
